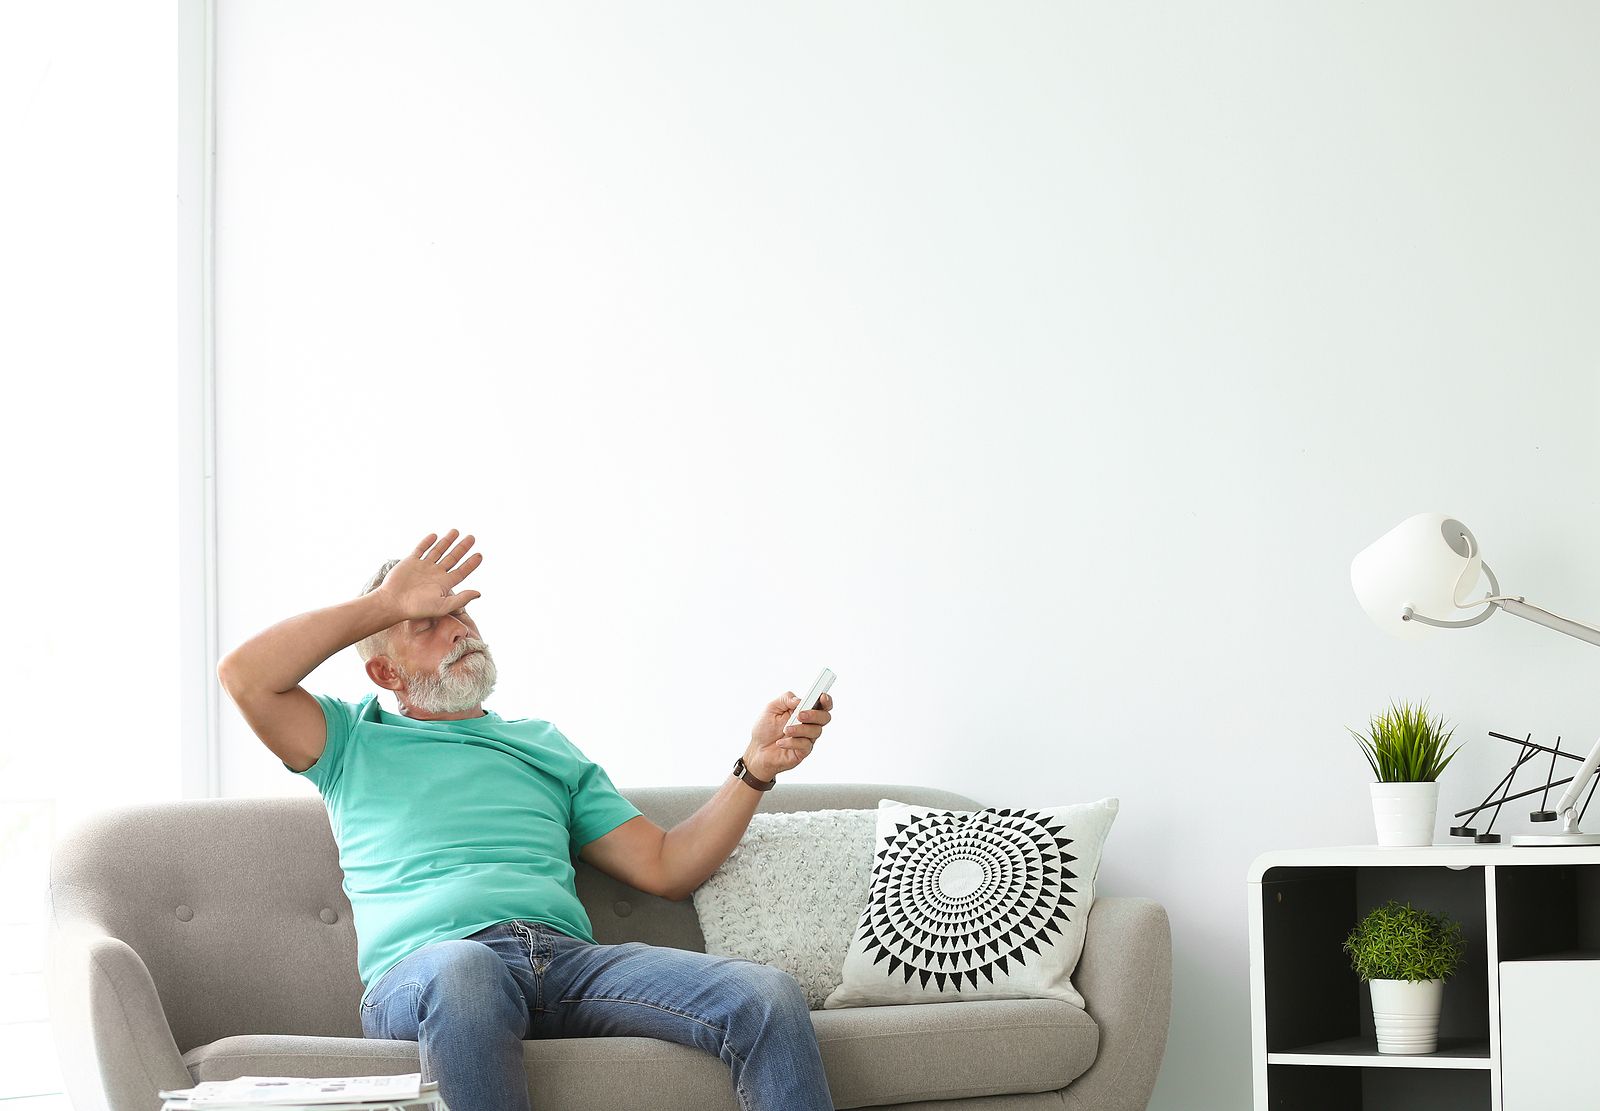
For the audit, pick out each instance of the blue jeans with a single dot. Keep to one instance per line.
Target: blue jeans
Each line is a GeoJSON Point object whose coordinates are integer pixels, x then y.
{"type": "Point", "coordinates": [470, 1003]}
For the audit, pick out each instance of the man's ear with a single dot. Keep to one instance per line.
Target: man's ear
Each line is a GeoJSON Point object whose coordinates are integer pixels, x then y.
{"type": "Point", "coordinates": [382, 672]}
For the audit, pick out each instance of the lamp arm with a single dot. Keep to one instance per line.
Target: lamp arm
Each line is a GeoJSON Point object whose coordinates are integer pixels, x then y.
{"type": "Point", "coordinates": [1531, 612]}
{"type": "Point", "coordinates": [1514, 604]}
{"type": "Point", "coordinates": [1580, 779]}
{"type": "Point", "coordinates": [1409, 614]}
{"type": "Point", "coordinates": [1510, 603]}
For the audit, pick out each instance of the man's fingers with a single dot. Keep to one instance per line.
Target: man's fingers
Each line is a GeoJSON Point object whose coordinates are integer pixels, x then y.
{"type": "Point", "coordinates": [466, 568]}
{"type": "Point", "coordinates": [454, 555]}
{"type": "Point", "coordinates": [820, 714]}
{"type": "Point", "coordinates": [416, 553]}
{"type": "Point", "coordinates": [432, 554]}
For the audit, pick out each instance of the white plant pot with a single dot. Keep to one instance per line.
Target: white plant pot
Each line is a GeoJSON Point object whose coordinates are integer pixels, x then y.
{"type": "Point", "coordinates": [1405, 1015]}
{"type": "Point", "coordinates": [1404, 813]}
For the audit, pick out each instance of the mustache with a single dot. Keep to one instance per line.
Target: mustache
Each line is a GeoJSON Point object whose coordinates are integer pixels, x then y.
{"type": "Point", "coordinates": [467, 648]}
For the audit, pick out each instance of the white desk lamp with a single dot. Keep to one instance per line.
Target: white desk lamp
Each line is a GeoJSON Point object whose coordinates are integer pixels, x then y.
{"type": "Point", "coordinates": [1418, 574]}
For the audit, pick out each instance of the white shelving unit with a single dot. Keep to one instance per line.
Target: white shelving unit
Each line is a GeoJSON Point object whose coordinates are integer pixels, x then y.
{"type": "Point", "coordinates": [1534, 907]}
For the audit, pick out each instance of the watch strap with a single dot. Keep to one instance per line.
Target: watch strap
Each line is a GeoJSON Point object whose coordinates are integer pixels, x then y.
{"type": "Point", "coordinates": [744, 773]}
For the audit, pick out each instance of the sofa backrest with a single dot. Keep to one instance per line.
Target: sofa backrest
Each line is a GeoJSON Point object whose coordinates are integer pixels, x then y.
{"type": "Point", "coordinates": [237, 905]}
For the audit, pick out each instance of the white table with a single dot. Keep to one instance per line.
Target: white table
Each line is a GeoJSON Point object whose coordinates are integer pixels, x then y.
{"type": "Point", "coordinates": [431, 1101]}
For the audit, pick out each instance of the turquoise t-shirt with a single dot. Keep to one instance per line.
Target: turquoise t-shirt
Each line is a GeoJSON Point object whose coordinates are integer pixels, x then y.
{"type": "Point", "coordinates": [448, 827]}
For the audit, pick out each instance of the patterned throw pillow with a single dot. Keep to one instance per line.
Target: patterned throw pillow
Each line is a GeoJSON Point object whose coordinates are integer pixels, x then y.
{"type": "Point", "coordinates": [790, 893]}
{"type": "Point", "coordinates": [987, 904]}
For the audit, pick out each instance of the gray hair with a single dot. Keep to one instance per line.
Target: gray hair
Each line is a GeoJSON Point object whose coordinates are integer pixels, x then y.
{"type": "Point", "coordinates": [378, 643]}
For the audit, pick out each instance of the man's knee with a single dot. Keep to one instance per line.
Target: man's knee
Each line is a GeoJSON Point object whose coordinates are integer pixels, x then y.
{"type": "Point", "coordinates": [460, 973]}
{"type": "Point", "coordinates": [775, 991]}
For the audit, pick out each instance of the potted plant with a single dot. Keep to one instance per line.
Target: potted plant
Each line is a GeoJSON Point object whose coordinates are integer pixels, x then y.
{"type": "Point", "coordinates": [1405, 749]}
{"type": "Point", "coordinates": [1406, 955]}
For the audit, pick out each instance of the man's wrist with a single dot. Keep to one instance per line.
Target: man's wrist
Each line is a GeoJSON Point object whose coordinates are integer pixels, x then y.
{"type": "Point", "coordinates": [380, 604]}
{"type": "Point", "coordinates": [755, 772]}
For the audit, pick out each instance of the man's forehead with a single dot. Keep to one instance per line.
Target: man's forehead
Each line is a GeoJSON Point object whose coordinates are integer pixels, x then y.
{"type": "Point", "coordinates": [415, 623]}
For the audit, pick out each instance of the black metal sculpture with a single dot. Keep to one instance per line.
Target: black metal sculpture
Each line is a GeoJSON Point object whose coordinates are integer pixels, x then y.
{"type": "Point", "coordinates": [1527, 750]}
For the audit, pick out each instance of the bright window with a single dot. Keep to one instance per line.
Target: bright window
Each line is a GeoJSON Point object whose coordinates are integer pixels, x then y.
{"type": "Point", "coordinates": [88, 284]}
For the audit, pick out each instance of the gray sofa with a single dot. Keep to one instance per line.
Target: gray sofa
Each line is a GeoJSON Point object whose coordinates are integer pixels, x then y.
{"type": "Point", "coordinates": [211, 938]}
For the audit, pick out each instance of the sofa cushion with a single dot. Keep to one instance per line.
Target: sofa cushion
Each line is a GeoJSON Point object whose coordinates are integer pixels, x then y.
{"type": "Point", "coordinates": [790, 893]}
{"type": "Point", "coordinates": [987, 904]}
{"type": "Point", "coordinates": [874, 1056]}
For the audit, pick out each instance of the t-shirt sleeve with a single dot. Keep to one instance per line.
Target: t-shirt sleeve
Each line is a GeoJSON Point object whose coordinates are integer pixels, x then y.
{"type": "Point", "coordinates": [340, 717]}
{"type": "Point", "coordinates": [597, 806]}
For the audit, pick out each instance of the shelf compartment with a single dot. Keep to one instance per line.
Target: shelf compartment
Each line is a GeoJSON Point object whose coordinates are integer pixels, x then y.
{"type": "Point", "coordinates": [1548, 911]}
{"type": "Point", "coordinates": [1453, 1053]}
{"type": "Point", "coordinates": [1314, 997]}
{"type": "Point", "coordinates": [1318, 1088]}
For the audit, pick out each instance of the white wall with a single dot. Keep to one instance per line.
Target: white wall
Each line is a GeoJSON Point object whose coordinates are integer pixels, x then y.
{"type": "Point", "coordinates": [1037, 367]}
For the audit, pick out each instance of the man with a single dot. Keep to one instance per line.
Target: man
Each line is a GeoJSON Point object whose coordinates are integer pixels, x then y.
{"type": "Point", "coordinates": [457, 831]}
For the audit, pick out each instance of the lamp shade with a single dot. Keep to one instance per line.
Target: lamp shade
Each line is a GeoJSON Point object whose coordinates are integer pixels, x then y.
{"type": "Point", "coordinates": [1418, 563]}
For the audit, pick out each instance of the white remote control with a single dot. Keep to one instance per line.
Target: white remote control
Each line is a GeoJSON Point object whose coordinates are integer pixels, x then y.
{"type": "Point", "coordinates": [809, 702]}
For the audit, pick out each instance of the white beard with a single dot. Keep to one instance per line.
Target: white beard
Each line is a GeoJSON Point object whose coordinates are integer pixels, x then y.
{"type": "Point", "coordinates": [457, 686]}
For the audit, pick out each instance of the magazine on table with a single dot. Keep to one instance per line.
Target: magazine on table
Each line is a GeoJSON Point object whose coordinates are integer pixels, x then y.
{"type": "Point", "coordinates": [265, 1091]}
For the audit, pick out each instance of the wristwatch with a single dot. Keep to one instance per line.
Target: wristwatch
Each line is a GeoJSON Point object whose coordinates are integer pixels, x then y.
{"type": "Point", "coordinates": [744, 773]}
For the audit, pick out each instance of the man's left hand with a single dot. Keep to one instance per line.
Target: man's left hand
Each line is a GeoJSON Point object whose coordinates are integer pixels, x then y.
{"type": "Point", "coordinates": [773, 748]}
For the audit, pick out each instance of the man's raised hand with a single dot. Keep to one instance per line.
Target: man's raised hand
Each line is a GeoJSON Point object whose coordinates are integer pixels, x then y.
{"type": "Point", "coordinates": [423, 584]}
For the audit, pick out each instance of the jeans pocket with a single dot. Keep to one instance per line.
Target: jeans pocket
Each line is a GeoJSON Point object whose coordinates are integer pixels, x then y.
{"type": "Point", "coordinates": [376, 993]}
{"type": "Point", "coordinates": [393, 1015]}
{"type": "Point", "coordinates": [371, 1020]}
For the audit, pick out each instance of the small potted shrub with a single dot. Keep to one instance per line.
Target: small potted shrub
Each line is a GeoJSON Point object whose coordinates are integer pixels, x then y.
{"type": "Point", "coordinates": [1406, 955]}
{"type": "Point", "coordinates": [1406, 750]}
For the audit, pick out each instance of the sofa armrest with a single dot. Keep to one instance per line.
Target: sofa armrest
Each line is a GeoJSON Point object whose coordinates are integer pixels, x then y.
{"type": "Point", "coordinates": [1125, 978]}
{"type": "Point", "coordinates": [110, 1030]}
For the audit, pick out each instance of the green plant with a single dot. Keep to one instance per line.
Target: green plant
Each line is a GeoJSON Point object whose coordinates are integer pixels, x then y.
{"type": "Point", "coordinates": [1399, 942]}
{"type": "Point", "coordinates": [1403, 745]}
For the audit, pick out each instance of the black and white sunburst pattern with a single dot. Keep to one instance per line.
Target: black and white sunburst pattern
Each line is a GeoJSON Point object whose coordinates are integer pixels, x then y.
{"type": "Point", "coordinates": [956, 895]}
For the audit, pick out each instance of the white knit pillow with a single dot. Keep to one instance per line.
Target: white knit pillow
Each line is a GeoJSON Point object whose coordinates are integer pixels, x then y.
{"type": "Point", "coordinates": [790, 894]}
{"type": "Point", "coordinates": [987, 904]}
